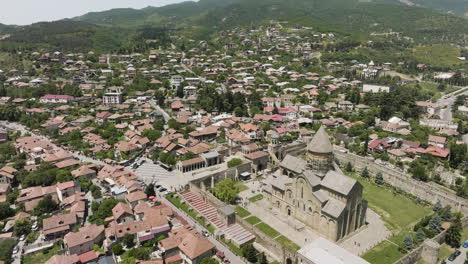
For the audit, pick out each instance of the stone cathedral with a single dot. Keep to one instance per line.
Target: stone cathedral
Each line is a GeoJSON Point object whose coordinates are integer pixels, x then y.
{"type": "Point", "coordinates": [311, 191]}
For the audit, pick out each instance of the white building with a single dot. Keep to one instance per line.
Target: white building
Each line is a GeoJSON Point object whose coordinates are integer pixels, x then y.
{"type": "Point", "coordinates": [369, 88]}
{"type": "Point", "coordinates": [112, 98]}
{"type": "Point", "coordinates": [322, 251]}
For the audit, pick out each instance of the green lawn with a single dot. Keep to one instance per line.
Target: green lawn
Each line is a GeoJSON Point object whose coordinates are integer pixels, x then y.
{"type": "Point", "coordinates": [465, 234]}
{"type": "Point", "coordinates": [445, 251]}
{"type": "Point", "coordinates": [253, 220]}
{"type": "Point", "coordinates": [288, 243]}
{"type": "Point", "coordinates": [241, 212]}
{"type": "Point", "coordinates": [41, 257]}
{"type": "Point", "coordinates": [267, 230]}
{"type": "Point", "coordinates": [399, 214]}
{"type": "Point", "coordinates": [256, 198]}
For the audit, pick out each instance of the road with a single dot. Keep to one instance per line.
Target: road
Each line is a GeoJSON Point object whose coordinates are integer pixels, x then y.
{"type": "Point", "coordinates": [446, 103]}
{"type": "Point", "coordinates": [460, 259]}
{"type": "Point", "coordinates": [221, 247]}
{"type": "Point", "coordinates": [17, 256]}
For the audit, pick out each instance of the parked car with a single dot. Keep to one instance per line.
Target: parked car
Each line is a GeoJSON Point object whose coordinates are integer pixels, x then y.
{"type": "Point", "coordinates": [35, 226]}
{"type": "Point", "coordinates": [22, 237]}
{"type": "Point", "coordinates": [205, 233]}
{"type": "Point", "coordinates": [457, 253]}
{"type": "Point", "coordinates": [465, 245]}
{"type": "Point", "coordinates": [15, 250]}
{"type": "Point", "coordinates": [452, 257]}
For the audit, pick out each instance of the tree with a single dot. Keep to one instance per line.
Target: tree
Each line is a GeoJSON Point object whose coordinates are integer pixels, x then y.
{"type": "Point", "coordinates": [226, 190]}
{"type": "Point", "coordinates": [408, 243]}
{"type": "Point", "coordinates": [437, 206]}
{"type": "Point", "coordinates": [234, 162]}
{"type": "Point", "coordinates": [446, 214]}
{"type": "Point", "coordinates": [419, 172]}
{"type": "Point", "coordinates": [453, 237]}
{"type": "Point", "coordinates": [262, 259]}
{"type": "Point", "coordinates": [209, 261]}
{"type": "Point", "coordinates": [150, 190]}
{"type": "Point", "coordinates": [22, 227]}
{"type": "Point", "coordinates": [117, 249]}
{"type": "Point", "coordinates": [365, 173]}
{"type": "Point", "coordinates": [379, 178]}
{"type": "Point", "coordinates": [435, 224]}
{"type": "Point", "coordinates": [349, 167]}
{"type": "Point", "coordinates": [6, 248]}
{"type": "Point", "coordinates": [129, 240]}
{"type": "Point", "coordinates": [46, 205]}
{"type": "Point", "coordinates": [6, 211]}
{"type": "Point", "coordinates": [420, 236]}
{"type": "Point", "coordinates": [249, 252]}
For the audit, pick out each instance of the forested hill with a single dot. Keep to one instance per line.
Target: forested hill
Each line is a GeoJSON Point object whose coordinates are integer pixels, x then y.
{"type": "Point", "coordinates": [109, 30]}
{"type": "Point", "coordinates": [458, 7]}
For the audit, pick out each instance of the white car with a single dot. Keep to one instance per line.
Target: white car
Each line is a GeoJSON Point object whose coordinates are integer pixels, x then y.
{"type": "Point", "coordinates": [15, 250]}
{"type": "Point", "coordinates": [22, 237]}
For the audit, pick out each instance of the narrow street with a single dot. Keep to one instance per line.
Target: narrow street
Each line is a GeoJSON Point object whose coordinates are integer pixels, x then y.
{"type": "Point", "coordinates": [221, 247]}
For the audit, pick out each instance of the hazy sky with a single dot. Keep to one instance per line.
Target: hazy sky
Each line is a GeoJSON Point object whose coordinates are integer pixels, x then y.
{"type": "Point", "coordinates": [22, 12]}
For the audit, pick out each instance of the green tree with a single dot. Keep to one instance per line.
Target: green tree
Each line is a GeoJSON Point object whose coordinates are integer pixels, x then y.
{"type": "Point", "coordinates": [419, 172]}
{"type": "Point", "coordinates": [6, 211]}
{"type": "Point", "coordinates": [453, 237]}
{"type": "Point", "coordinates": [6, 248]}
{"type": "Point", "coordinates": [46, 205]}
{"type": "Point", "coordinates": [379, 178]}
{"type": "Point", "coordinates": [150, 190]}
{"type": "Point", "coordinates": [234, 162]}
{"type": "Point", "coordinates": [437, 206]}
{"type": "Point", "coordinates": [365, 173]}
{"type": "Point", "coordinates": [262, 259]}
{"type": "Point", "coordinates": [129, 240]}
{"type": "Point", "coordinates": [22, 227]}
{"type": "Point", "coordinates": [117, 249]}
{"type": "Point", "coordinates": [435, 224]}
{"type": "Point", "coordinates": [249, 252]}
{"type": "Point", "coordinates": [420, 236]}
{"type": "Point", "coordinates": [226, 190]}
{"type": "Point", "coordinates": [349, 167]}
{"type": "Point", "coordinates": [408, 243]}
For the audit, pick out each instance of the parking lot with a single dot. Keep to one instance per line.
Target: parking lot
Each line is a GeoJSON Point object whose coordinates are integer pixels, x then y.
{"type": "Point", "coordinates": [149, 172]}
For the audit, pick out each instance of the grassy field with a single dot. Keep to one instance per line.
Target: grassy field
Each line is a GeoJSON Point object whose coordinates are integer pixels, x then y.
{"type": "Point", "coordinates": [399, 214]}
{"type": "Point", "coordinates": [241, 212]}
{"type": "Point", "coordinates": [465, 234]}
{"type": "Point", "coordinates": [268, 230]}
{"type": "Point", "coordinates": [256, 198]}
{"type": "Point", "coordinates": [253, 220]}
{"type": "Point", "coordinates": [438, 55]}
{"type": "Point", "coordinates": [288, 243]}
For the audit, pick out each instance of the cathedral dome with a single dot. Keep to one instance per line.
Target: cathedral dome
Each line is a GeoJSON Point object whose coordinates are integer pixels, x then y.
{"type": "Point", "coordinates": [320, 143]}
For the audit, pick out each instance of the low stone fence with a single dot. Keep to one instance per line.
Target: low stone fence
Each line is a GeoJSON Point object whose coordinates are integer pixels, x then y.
{"type": "Point", "coordinates": [424, 191]}
{"type": "Point", "coordinates": [415, 255]}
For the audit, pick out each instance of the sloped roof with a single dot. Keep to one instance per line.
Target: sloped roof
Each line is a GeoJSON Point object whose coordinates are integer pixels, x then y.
{"type": "Point", "coordinates": [293, 163]}
{"type": "Point", "coordinates": [320, 143]}
{"type": "Point", "coordinates": [334, 208]}
{"type": "Point", "coordinates": [338, 182]}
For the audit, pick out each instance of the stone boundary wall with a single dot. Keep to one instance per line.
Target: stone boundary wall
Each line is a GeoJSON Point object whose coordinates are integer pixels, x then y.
{"type": "Point", "coordinates": [415, 255]}
{"type": "Point", "coordinates": [425, 191]}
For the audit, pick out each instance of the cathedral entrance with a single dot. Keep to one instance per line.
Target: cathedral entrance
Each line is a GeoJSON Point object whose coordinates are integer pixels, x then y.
{"type": "Point", "coordinates": [288, 261]}
{"type": "Point", "coordinates": [289, 211]}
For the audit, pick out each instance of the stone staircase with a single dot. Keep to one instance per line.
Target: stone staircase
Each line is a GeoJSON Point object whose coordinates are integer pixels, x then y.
{"type": "Point", "coordinates": [202, 207]}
